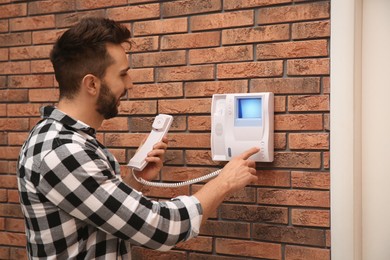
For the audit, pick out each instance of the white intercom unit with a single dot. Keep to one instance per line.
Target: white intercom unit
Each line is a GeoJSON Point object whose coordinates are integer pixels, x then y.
{"type": "Point", "coordinates": [241, 121]}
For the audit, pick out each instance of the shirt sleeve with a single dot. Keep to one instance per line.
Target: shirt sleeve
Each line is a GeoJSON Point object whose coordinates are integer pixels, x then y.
{"type": "Point", "coordinates": [82, 183]}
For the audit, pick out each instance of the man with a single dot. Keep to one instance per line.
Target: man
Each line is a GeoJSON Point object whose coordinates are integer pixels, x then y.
{"type": "Point", "coordinates": [76, 205]}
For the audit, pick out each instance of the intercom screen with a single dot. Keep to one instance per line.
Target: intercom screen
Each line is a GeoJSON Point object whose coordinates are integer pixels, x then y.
{"type": "Point", "coordinates": [250, 108]}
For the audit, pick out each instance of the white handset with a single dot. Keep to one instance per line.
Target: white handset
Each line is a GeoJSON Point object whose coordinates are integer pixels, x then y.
{"type": "Point", "coordinates": [160, 127]}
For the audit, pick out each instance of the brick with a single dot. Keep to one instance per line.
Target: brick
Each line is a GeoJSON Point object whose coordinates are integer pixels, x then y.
{"type": "Point", "coordinates": [291, 13]}
{"type": "Point", "coordinates": [200, 244]}
{"type": "Point", "coordinates": [3, 109]}
{"type": "Point", "coordinates": [184, 106]}
{"type": "Point", "coordinates": [248, 248]}
{"type": "Point", "coordinates": [4, 26]}
{"type": "Point", "coordinates": [93, 4]}
{"type": "Point", "coordinates": [144, 44]}
{"type": "Point", "coordinates": [303, 198]}
{"type": "Point", "coordinates": [30, 52]}
{"type": "Point", "coordinates": [310, 180]}
{"type": "Point", "coordinates": [46, 36]}
{"type": "Point", "coordinates": [308, 67]}
{"type": "Point", "coordinates": [280, 140]}
{"type": "Point", "coordinates": [189, 140]}
{"type": "Point", "coordinates": [17, 138]}
{"type": "Point", "coordinates": [15, 39]}
{"type": "Point", "coordinates": [15, 67]}
{"type": "Point", "coordinates": [3, 136]}
{"type": "Point", "coordinates": [166, 193]}
{"type": "Point", "coordinates": [287, 234]}
{"type": "Point", "coordinates": [18, 253]}
{"type": "Point", "coordinates": [175, 25]}
{"type": "Point", "coordinates": [292, 50]}
{"type": "Point", "coordinates": [4, 167]}
{"type": "Point", "coordinates": [311, 103]}
{"type": "Point", "coordinates": [115, 124]}
{"type": "Point", "coordinates": [141, 1]}
{"type": "Point", "coordinates": [15, 225]}
{"type": "Point", "coordinates": [41, 66]}
{"type": "Point", "coordinates": [31, 81]}
{"type": "Point", "coordinates": [225, 229]}
{"type": "Point", "coordinates": [158, 90]}
{"type": "Point", "coordinates": [309, 85]}
{"type": "Point", "coordinates": [310, 30]}
{"type": "Point", "coordinates": [183, 173]}
{"type": "Point", "coordinates": [137, 107]}
{"type": "Point", "coordinates": [4, 253]}
{"type": "Point", "coordinates": [328, 238]}
{"type": "Point", "coordinates": [327, 122]}
{"type": "Point", "coordinates": [32, 23]}
{"type": "Point", "coordinates": [250, 213]}
{"type": "Point", "coordinates": [191, 40]}
{"type": "Point", "coordinates": [123, 139]}
{"type": "Point", "coordinates": [299, 252]}
{"type": "Point", "coordinates": [12, 239]}
{"type": "Point", "coordinates": [308, 160]}
{"type": "Point", "coordinates": [52, 6]}
{"type": "Point", "coordinates": [157, 59]}
{"type": "Point", "coordinates": [10, 124]}
{"type": "Point", "coordinates": [308, 141]}
{"type": "Point", "coordinates": [144, 124]}
{"type": "Point", "coordinates": [300, 122]}
{"type": "Point", "coordinates": [245, 195]}
{"type": "Point", "coordinates": [198, 256]}
{"type": "Point", "coordinates": [274, 178]}
{"type": "Point", "coordinates": [208, 88]}
{"type": "Point", "coordinates": [119, 154]}
{"type": "Point", "coordinates": [132, 13]}
{"type": "Point", "coordinates": [70, 19]}
{"type": "Point", "coordinates": [23, 110]}
{"type": "Point", "coordinates": [250, 69]}
{"type": "Point", "coordinates": [13, 95]}
{"type": "Point", "coordinates": [308, 217]}
{"type": "Point", "coordinates": [222, 20]}
{"type": "Point", "coordinates": [221, 54]}
{"type": "Point", "coordinates": [13, 195]}
{"type": "Point", "coordinates": [259, 34]}
{"type": "Point", "coordinates": [326, 85]}
{"type": "Point", "coordinates": [3, 195]}
{"type": "Point", "coordinates": [3, 82]}
{"type": "Point", "coordinates": [43, 95]}
{"type": "Point", "coordinates": [142, 75]}
{"type": "Point", "coordinates": [186, 7]}
{"type": "Point", "coordinates": [174, 157]}
{"type": "Point", "coordinates": [185, 73]}
{"type": "Point", "coordinates": [13, 10]}
{"type": "Point", "coordinates": [234, 4]}
{"type": "Point", "coordinates": [144, 253]}
{"type": "Point", "coordinates": [199, 123]}
{"type": "Point", "coordinates": [4, 54]}
{"type": "Point", "coordinates": [280, 104]}
{"type": "Point", "coordinates": [200, 157]}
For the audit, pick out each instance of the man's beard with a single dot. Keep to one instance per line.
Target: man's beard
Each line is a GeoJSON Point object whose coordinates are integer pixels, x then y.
{"type": "Point", "coordinates": [107, 103]}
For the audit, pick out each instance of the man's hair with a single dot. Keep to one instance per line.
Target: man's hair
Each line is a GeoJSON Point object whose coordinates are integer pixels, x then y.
{"type": "Point", "coordinates": [81, 50]}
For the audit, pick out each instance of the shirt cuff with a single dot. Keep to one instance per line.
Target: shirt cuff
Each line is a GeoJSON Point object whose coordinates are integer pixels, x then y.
{"type": "Point", "coordinates": [195, 213]}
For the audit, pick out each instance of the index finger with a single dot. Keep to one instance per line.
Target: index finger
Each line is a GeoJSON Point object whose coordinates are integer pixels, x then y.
{"type": "Point", "coordinates": [248, 153]}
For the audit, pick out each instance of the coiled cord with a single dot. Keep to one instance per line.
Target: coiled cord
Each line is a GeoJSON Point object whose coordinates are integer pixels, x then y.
{"type": "Point", "coordinates": [176, 184]}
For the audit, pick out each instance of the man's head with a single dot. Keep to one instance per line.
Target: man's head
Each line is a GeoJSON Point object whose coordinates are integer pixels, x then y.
{"type": "Point", "coordinates": [88, 49]}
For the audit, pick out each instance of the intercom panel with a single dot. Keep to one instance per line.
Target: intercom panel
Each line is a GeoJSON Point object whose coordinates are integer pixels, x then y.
{"type": "Point", "coordinates": [241, 121]}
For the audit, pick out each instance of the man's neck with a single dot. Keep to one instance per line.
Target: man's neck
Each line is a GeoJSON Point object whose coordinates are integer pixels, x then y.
{"type": "Point", "coordinates": [81, 111]}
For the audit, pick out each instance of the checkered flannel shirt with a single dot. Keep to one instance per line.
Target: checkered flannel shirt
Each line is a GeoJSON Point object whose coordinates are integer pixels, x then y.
{"type": "Point", "coordinates": [76, 205]}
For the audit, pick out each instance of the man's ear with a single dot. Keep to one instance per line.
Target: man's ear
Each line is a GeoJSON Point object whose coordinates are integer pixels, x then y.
{"type": "Point", "coordinates": [91, 84]}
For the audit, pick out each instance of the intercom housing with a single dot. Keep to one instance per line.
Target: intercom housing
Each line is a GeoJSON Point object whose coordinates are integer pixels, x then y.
{"type": "Point", "coordinates": [240, 121]}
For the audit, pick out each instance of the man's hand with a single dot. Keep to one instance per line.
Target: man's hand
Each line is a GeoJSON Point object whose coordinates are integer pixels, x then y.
{"type": "Point", "coordinates": [155, 161]}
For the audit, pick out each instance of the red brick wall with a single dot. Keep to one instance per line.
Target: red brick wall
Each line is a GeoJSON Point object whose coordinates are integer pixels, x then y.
{"type": "Point", "coordinates": [185, 51]}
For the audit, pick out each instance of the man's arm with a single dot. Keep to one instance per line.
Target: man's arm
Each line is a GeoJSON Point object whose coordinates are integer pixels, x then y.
{"type": "Point", "coordinates": [235, 175]}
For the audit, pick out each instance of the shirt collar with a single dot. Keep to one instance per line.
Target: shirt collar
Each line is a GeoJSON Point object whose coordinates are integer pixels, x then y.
{"type": "Point", "coordinates": [50, 112]}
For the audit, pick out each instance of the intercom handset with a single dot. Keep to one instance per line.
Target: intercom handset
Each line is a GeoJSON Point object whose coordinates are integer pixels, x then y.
{"type": "Point", "coordinates": [240, 121]}
{"type": "Point", "coordinates": [160, 127]}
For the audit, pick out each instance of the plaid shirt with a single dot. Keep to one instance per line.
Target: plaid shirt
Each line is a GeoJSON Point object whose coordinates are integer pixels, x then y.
{"type": "Point", "coordinates": [76, 205]}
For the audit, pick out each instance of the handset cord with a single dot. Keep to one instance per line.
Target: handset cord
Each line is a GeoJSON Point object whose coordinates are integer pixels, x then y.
{"type": "Point", "coordinates": [176, 184]}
